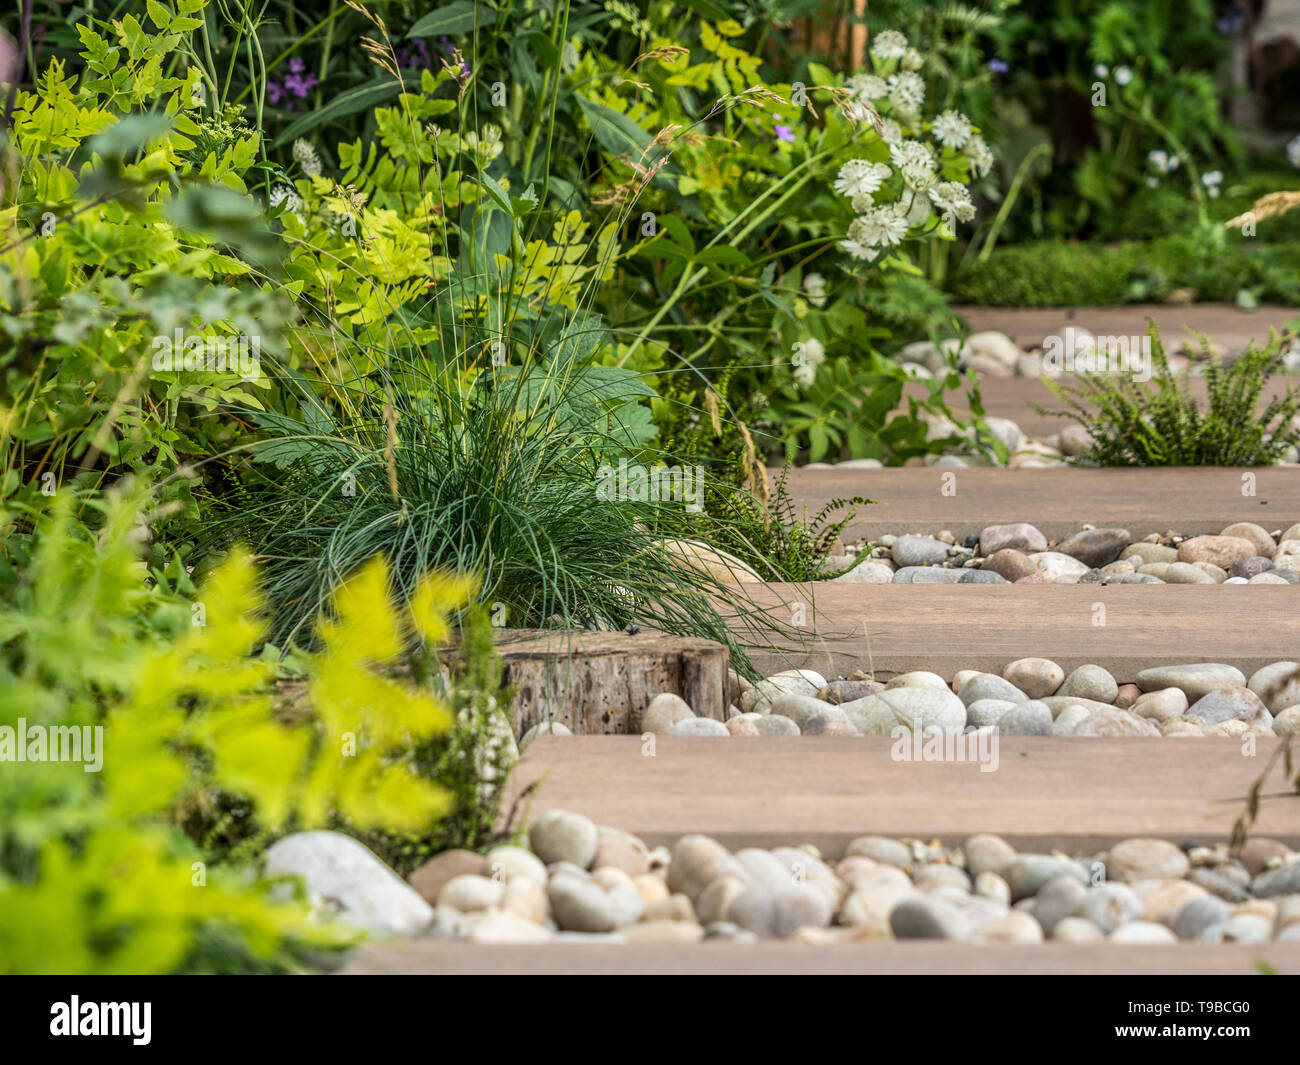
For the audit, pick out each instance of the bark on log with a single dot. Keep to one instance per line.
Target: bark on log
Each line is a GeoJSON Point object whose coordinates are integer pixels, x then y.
{"type": "Point", "coordinates": [599, 683]}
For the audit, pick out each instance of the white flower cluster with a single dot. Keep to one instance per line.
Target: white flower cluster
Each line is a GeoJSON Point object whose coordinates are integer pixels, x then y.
{"type": "Point", "coordinates": [892, 199]}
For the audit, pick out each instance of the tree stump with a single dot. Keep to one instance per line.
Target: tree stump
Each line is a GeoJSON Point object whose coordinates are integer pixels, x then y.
{"type": "Point", "coordinates": [599, 683]}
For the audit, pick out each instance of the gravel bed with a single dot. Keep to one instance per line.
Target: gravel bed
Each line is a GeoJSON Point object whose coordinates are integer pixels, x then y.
{"type": "Point", "coordinates": [576, 881]}
{"type": "Point", "coordinates": [1018, 553]}
{"type": "Point", "coordinates": [1032, 697]}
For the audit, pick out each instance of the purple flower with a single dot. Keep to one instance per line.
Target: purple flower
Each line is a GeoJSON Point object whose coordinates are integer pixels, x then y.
{"type": "Point", "coordinates": [785, 133]}
{"type": "Point", "coordinates": [998, 66]}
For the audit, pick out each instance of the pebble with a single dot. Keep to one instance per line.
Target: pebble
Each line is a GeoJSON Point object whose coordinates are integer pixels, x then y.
{"type": "Point", "coordinates": [986, 853]}
{"type": "Point", "coordinates": [1146, 859]}
{"type": "Point", "coordinates": [1114, 722]}
{"type": "Point", "coordinates": [799, 708]}
{"type": "Point", "coordinates": [1162, 704]}
{"type": "Point", "coordinates": [1058, 898]}
{"type": "Point", "coordinates": [665, 711]}
{"type": "Point", "coordinates": [1026, 873]}
{"type": "Point", "coordinates": [984, 712]}
{"type": "Point", "coordinates": [439, 870]}
{"type": "Point", "coordinates": [503, 926]}
{"type": "Point", "coordinates": [776, 725]}
{"type": "Point", "coordinates": [1251, 566]}
{"type": "Point", "coordinates": [562, 836]}
{"type": "Point", "coordinates": [832, 722]}
{"type": "Point", "coordinates": [845, 691]}
{"type": "Point", "coordinates": [696, 862]}
{"type": "Point", "coordinates": [1195, 681]}
{"type": "Point", "coordinates": [580, 905]}
{"type": "Point", "coordinates": [912, 708]}
{"type": "Point", "coordinates": [744, 725]}
{"type": "Point", "coordinates": [366, 893]}
{"type": "Point", "coordinates": [1096, 547]}
{"type": "Point", "coordinates": [1037, 678]}
{"type": "Point", "coordinates": [926, 575]}
{"type": "Point", "coordinates": [469, 892]}
{"type": "Point", "coordinates": [616, 849]}
{"type": "Point", "coordinates": [1199, 915]}
{"type": "Point", "coordinates": [1010, 928]}
{"type": "Point", "coordinates": [1077, 930]}
{"type": "Point", "coordinates": [918, 551]}
{"type": "Point", "coordinates": [1026, 719]}
{"type": "Point", "coordinates": [1110, 905]}
{"type": "Point", "coordinates": [1052, 565]}
{"type": "Point", "coordinates": [1277, 684]}
{"type": "Point", "coordinates": [1228, 704]}
{"type": "Point", "coordinates": [1149, 553]}
{"type": "Point", "coordinates": [990, 686]}
{"type": "Point", "coordinates": [1090, 682]}
{"type": "Point", "coordinates": [1019, 536]}
{"type": "Point", "coordinates": [918, 917]}
{"type": "Point", "coordinates": [1287, 722]}
{"type": "Point", "coordinates": [1142, 932]}
{"type": "Point", "coordinates": [1009, 563]}
{"type": "Point", "coordinates": [1284, 880]}
{"type": "Point", "coordinates": [1222, 551]}
{"type": "Point", "coordinates": [1264, 544]}
{"type": "Point", "coordinates": [705, 726]}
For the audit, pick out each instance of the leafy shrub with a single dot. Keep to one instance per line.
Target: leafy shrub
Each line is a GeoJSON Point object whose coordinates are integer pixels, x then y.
{"type": "Point", "coordinates": [1134, 425]}
{"type": "Point", "coordinates": [94, 875]}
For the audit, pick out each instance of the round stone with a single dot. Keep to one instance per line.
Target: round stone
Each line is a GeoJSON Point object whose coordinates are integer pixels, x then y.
{"type": "Point", "coordinates": [1110, 905]}
{"type": "Point", "coordinates": [1198, 915]}
{"type": "Point", "coordinates": [990, 686]}
{"type": "Point", "coordinates": [665, 711]}
{"type": "Point", "coordinates": [1020, 536]}
{"type": "Point", "coordinates": [508, 863]}
{"type": "Point", "coordinates": [1194, 680]}
{"type": "Point", "coordinates": [832, 722]}
{"type": "Point", "coordinates": [1146, 859]}
{"type": "Point", "coordinates": [1026, 719]}
{"type": "Point", "coordinates": [986, 853]}
{"type": "Point", "coordinates": [920, 917]}
{"type": "Point", "coordinates": [1010, 564]}
{"type": "Point", "coordinates": [1265, 546]}
{"type": "Point", "coordinates": [704, 726]}
{"type": "Point", "coordinates": [1161, 705]}
{"type": "Point", "coordinates": [430, 878]}
{"type": "Point", "coordinates": [1055, 566]}
{"type": "Point", "coordinates": [776, 725]}
{"type": "Point", "coordinates": [696, 862]}
{"type": "Point", "coordinates": [1025, 874]}
{"type": "Point", "coordinates": [1076, 930]}
{"type": "Point", "coordinates": [580, 905]}
{"type": "Point", "coordinates": [1090, 682]}
{"type": "Point", "coordinates": [910, 708]}
{"type": "Point", "coordinates": [562, 836]}
{"type": "Point", "coordinates": [985, 712]}
{"type": "Point", "coordinates": [620, 850]}
{"type": "Point", "coordinates": [1228, 704]}
{"type": "Point", "coordinates": [1287, 722]}
{"type": "Point", "coordinates": [918, 551]}
{"type": "Point", "coordinates": [1096, 547]}
{"type": "Point", "coordinates": [1060, 897]}
{"type": "Point", "coordinates": [1251, 566]}
{"type": "Point", "coordinates": [1277, 684]}
{"type": "Point", "coordinates": [799, 708]}
{"type": "Point", "coordinates": [1114, 722]}
{"type": "Point", "coordinates": [881, 849]}
{"type": "Point", "coordinates": [917, 679]}
{"type": "Point", "coordinates": [468, 892]}
{"type": "Point", "coordinates": [1221, 551]}
{"type": "Point", "coordinates": [1036, 677]}
{"type": "Point", "coordinates": [1284, 880]}
{"type": "Point", "coordinates": [744, 725]}
{"type": "Point", "coordinates": [1142, 932]}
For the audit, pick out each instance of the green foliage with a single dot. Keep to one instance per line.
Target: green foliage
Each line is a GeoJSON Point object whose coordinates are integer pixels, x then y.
{"type": "Point", "coordinates": [94, 875]}
{"type": "Point", "coordinates": [1135, 425]}
{"type": "Point", "coordinates": [780, 543]}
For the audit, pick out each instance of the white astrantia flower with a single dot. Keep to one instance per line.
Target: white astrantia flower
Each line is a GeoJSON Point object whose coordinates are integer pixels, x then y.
{"type": "Point", "coordinates": [867, 87]}
{"type": "Point", "coordinates": [892, 133]}
{"type": "Point", "coordinates": [912, 60]}
{"type": "Point", "coordinates": [1293, 151]}
{"type": "Point", "coordinates": [980, 156]}
{"type": "Point", "coordinates": [907, 92]}
{"type": "Point", "coordinates": [857, 244]}
{"type": "Point", "coordinates": [889, 44]}
{"type": "Point", "coordinates": [1123, 75]}
{"type": "Point", "coordinates": [306, 158]}
{"type": "Point", "coordinates": [863, 202]}
{"type": "Point", "coordinates": [815, 287]}
{"type": "Point", "coordinates": [915, 162]}
{"type": "Point", "coordinates": [1101, 70]}
{"type": "Point", "coordinates": [953, 198]}
{"type": "Point", "coordinates": [857, 112]}
{"type": "Point", "coordinates": [952, 129]}
{"type": "Point", "coordinates": [919, 212]}
{"type": "Point", "coordinates": [808, 355]}
{"type": "Point", "coordinates": [884, 226]}
{"type": "Point", "coordinates": [283, 194]}
{"type": "Point", "coordinates": [858, 177]}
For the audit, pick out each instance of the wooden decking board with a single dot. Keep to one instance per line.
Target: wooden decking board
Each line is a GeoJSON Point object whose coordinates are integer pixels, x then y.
{"type": "Point", "coordinates": [1077, 795]}
{"type": "Point", "coordinates": [895, 628]}
{"type": "Point", "coordinates": [1059, 501]}
{"type": "Point", "coordinates": [928, 957]}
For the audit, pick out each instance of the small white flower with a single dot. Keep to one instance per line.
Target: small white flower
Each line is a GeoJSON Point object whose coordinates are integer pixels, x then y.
{"type": "Point", "coordinates": [1293, 151]}
{"type": "Point", "coordinates": [857, 244]}
{"type": "Point", "coordinates": [858, 177]}
{"type": "Point", "coordinates": [306, 158]}
{"type": "Point", "coordinates": [867, 87]}
{"type": "Point", "coordinates": [884, 226]}
{"type": "Point", "coordinates": [889, 44]}
{"type": "Point", "coordinates": [1163, 161]}
{"type": "Point", "coordinates": [284, 194]}
{"type": "Point", "coordinates": [915, 162]}
{"type": "Point", "coordinates": [892, 133]}
{"type": "Point", "coordinates": [952, 129]}
{"type": "Point", "coordinates": [809, 352]}
{"type": "Point", "coordinates": [907, 91]}
{"type": "Point", "coordinates": [919, 212]}
{"type": "Point", "coordinates": [912, 60]}
{"type": "Point", "coordinates": [1101, 70]}
{"type": "Point", "coordinates": [1212, 181]}
{"type": "Point", "coordinates": [857, 111]}
{"type": "Point", "coordinates": [1174, 162]}
{"type": "Point", "coordinates": [805, 375]}
{"type": "Point", "coordinates": [815, 287]}
{"type": "Point", "coordinates": [864, 202]}
{"type": "Point", "coordinates": [1123, 75]}
{"type": "Point", "coordinates": [980, 156]}
{"type": "Point", "coordinates": [953, 198]}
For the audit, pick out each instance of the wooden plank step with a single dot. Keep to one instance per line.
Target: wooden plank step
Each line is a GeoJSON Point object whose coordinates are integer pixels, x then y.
{"type": "Point", "coordinates": [1189, 500]}
{"type": "Point", "coordinates": [917, 957]}
{"type": "Point", "coordinates": [895, 628]}
{"type": "Point", "coordinates": [1077, 795]}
